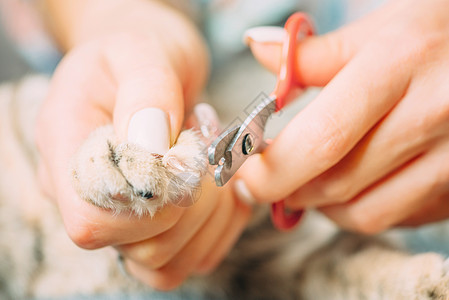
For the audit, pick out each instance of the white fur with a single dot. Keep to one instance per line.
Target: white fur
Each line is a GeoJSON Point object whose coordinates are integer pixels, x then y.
{"type": "Point", "coordinates": [122, 176]}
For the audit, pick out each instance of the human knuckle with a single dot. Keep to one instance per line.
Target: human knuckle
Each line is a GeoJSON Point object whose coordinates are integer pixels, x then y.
{"type": "Point", "coordinates": [339, 191]}
{"type": "Point", "coordinates": [441, 177]}
{"type": "Point", "coordinates": [165, 281]}
{"type": "Point", "coordinates": [152, 257]}
{"type": "Point", "coordinates": [432, 43]}
{"type": "Point", "coordinates": [329, 141]}
{"type": "Point", "coordinates": [169, 216]}
{"type": "Point", "coordinates": [441, 116]}
{"type": "Point", "coordinates": [437, 118]}
{"type": "Point", "coordinates": [338, 45]}
{"type": "Point", "coordinates": [364, 224]}
{"type": "Point", "coordinates": [83, 235]}
{"type": "Point", "coordinates": [427, 42]}
{"type": "Point", "coordinates": [153, 253]}
{"type": "Point", "coordinates": [417, 50]}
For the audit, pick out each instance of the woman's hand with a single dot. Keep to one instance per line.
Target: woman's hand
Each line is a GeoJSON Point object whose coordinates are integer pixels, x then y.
{"type": "Point", "coordinates": [124, 56]}
{"type": "Point", "coordinates": [371, 150]}
{"type": "Point", "coordinates": [196, 243]}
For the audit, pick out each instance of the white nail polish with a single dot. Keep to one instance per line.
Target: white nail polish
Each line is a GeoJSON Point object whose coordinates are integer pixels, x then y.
{"type": "Point", "coordinates": [264, 34]}
{"type": "Point", "coordinates": [243, 192]}
{"type": "Point", "coordinates": [149, 128]}
{"type": "Point", "coordinates": [207, 120]}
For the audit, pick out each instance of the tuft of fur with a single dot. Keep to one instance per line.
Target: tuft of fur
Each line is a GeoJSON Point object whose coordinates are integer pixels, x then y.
{"type": "Point", "coordinates": [126, 177]}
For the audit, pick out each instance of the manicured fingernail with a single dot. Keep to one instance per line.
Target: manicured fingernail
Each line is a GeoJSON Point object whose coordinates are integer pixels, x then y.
{"type": "Point", "coordinates": [243, 192]}
{"type": "Point", "coordinates": [149, 129]}
{"type": "Point", "coordinates": [207, 120]}
{"type": "Point", "coordinates": [264, 34]}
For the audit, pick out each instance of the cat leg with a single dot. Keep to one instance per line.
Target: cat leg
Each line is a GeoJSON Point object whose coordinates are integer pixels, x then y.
{"type": "Point", "coordinates": [358, 267]}
{"type": "Point", "coordinates": [127, 177]}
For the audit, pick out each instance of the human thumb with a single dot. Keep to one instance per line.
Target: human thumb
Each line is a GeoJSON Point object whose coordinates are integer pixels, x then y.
{"type": "Point", "coordinates": [149, 108]}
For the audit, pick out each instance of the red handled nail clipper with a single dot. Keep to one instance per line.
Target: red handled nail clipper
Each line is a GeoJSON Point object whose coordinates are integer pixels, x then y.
{"type": "Point", "coordinates": [230, 150]}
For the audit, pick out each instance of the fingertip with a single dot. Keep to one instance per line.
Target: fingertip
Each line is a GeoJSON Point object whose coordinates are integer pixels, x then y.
{"type": "Point", "coordinates": [243, 193]}
{"type": "Point", "coordinates": [267, 54]}
{"type": "Point", "coordinates": [206, 121]}
{"type": "Point", "coordinates": [254, 185]}
{"type": "Point", "coordinates": [264, 35]}
{"type": "Point", "coordinates": [150, 129]}
{"type": "Point", "coordinates": [318, 58]}
{"type": "Point", "coordinates": [350, 218]}
{"type": "Point", "coordinates": [80, 229]}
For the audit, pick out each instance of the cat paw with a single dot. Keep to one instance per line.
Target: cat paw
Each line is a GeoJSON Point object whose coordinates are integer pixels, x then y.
{"type": "Point", "coordinates": [433, 282]}
{"type": "Point", "coordinates": [440, 288]}
{"type": "Point", "coordinates": [126, 177]}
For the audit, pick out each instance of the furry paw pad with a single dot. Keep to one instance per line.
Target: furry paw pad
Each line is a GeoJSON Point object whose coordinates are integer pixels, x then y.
{"type": "Point", "coordinates": [126, 177]}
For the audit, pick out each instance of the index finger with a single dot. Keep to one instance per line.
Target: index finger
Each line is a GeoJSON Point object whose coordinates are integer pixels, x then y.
{"type": "Point", "coordinates": [329, 127]}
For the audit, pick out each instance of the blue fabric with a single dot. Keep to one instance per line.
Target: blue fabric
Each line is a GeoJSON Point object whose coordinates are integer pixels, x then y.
{"type": "Point", "coordinates": [433, 237]}
{"type": "Point", "coordinates": [136, 296]}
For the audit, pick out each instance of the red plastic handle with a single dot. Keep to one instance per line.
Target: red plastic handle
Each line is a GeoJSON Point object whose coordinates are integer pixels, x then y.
{"type": "Point", "coordinates": [282, 219]}
{"type": "Point", "coordinates": [284, 92]}
{"type": "Point", "coordinates": [287, 83]}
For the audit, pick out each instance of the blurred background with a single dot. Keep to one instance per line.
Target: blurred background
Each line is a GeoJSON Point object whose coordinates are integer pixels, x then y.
{"type": "Point", "coordinates": [12, 65]}
{"type": "Point", "coordinates": [237, 83]}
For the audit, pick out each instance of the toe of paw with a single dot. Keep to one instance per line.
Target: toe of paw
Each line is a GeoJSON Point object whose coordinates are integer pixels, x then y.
{"type": "Point", "coordinates": [189, 154]}
{"type": "Point", "coordinates": [127, 177]}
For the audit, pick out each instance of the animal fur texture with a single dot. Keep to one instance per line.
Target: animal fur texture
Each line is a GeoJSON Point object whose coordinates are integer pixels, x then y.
{"type": "Point", "coordinates": [316, 261]}
{"type": "Point", "coordinates": [126, 177]}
